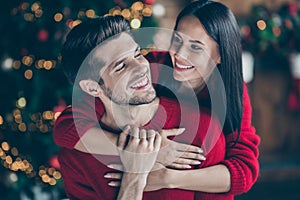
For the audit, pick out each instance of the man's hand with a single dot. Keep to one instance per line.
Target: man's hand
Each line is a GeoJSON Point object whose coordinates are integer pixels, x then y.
{"type": "Point", "coordinates": [178, 155]}
{"type": "Point", "coordinates": [138, 149]}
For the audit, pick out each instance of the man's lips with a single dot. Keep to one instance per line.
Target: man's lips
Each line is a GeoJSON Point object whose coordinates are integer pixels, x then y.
{"type": "Point", "coordinates": [141, 83]}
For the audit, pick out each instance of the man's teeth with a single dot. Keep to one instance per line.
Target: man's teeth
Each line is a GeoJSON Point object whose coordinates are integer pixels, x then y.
{"type": "Point", "coordinates": [141, 83]}
{"type": "Point", "coordinates": [183, 66]}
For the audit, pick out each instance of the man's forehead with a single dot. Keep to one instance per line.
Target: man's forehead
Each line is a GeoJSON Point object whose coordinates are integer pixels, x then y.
{"type": "Point", "coordinates": [114, 47]}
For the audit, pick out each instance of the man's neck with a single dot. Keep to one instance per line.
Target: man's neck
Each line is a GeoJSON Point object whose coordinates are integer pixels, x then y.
{"type": "Point", "coordinates": [118, 116]}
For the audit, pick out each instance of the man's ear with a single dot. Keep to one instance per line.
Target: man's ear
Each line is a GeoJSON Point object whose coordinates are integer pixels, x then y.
{"type": "Point", "coordinates": [91, 87]}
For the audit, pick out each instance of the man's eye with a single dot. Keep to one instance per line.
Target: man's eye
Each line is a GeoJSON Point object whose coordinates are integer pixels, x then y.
{"type": "Point", "coordinates": [120, 67]}
{"type": "Point", "coordinates": [137, 55]}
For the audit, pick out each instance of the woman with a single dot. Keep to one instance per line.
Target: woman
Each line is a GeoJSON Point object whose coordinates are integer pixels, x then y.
{"type": "Point", "coordinates": [210, 27]}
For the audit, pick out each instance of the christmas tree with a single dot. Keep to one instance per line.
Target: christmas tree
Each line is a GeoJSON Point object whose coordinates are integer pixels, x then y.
{"type": "Point", "coordinates": [34, 91]}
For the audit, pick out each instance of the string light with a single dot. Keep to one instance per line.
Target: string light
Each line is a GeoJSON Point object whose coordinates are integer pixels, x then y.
{"type": "Point", "coordinates": [58, 17]}
{"type": "Point", "coordinates": [261, 24]}
{"type": "Point", "coordinates": [90, 13]}
{"type": "Point", "coordinates": [135, 23]}
{"type": "Point", "coordinates": [21, 103]}
{"type": "Point", "coordinates": [7, 64]}
{"type": "Point", "coordinates": [16, 64]}
{"type": "Point", "coordinates": [159, 10]}
{"type": "Point", "coordinates": [28, 74]}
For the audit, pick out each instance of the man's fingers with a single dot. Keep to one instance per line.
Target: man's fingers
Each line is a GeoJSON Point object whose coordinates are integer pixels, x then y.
{"type": "Point", "coordinates": [171, 132]}
{"type": "Point", "coordinates": [135, 133]}
{"type": "Point", "coordinates": [157, 142]}
{"type": "Point", "coordinates": [151, 136]}
{"type": "Point", "coordinates": [123, 137]}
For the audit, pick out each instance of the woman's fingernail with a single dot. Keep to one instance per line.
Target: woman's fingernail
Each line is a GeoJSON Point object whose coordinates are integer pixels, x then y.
{"type": "Point", "coordinates": [110, 166]}
{"type": "Point", "coordinates": [197, 162]}
{"type": "Point", "coordinates": [107, 176]}
{"type": "Point", "coordinates": [111, 184]}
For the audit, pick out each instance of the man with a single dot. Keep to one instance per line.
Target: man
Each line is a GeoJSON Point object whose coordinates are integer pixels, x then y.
{"type": "Point", "coordinates": [117, 81]}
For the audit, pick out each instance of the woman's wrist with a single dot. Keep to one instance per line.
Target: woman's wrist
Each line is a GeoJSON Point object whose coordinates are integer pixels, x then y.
{"type": "Point", "coordinates": [171, 178]}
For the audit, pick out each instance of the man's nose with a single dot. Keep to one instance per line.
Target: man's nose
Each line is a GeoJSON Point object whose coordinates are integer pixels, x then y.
{"type": "Point", "coordinates": [139, 65]}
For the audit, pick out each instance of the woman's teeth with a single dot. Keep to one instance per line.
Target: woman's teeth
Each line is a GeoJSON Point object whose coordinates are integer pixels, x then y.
{"type": "Point", "coordinates": [183, 66]}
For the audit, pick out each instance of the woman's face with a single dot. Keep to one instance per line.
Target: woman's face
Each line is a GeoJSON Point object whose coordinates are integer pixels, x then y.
{"type": "Point", "coordinates": [194, 53]}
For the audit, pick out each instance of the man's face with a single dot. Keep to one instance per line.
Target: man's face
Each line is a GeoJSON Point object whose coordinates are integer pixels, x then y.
{"type": "Point", "coordinates": [126, 73]}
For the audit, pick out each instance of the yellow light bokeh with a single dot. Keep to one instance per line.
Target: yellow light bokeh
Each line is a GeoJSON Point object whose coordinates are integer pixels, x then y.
{"type": "Point", "coordinates": [135, 23]}
{"type": "Point", "coordinates": [8, 160]}
{"type": "Point", "coordinates": [261, 24]}
{"type": "Point", "coordinates": [28, 74]}
{"type": "Point", "coordinates": [21, 103]}
{"type": "Point", "coordinates": [147, 11]}
{"type": "Point", "coordinates": [276, 31]}
{"type": "Point", "coordinates": [57, 175]}
{"type": "Point", "coordinates": [1, 120]}
{"type": "Point", "coordinates": [90, 13]}
{"type": "Point", "coordinates": [5, 146]}
{"type": "Point", "coordinates": [35, 6]}
{"type": "Point", "coordinates": [27, 60]}
{"type": "Point", "coordinates": [22, 127]}
{"type": "Point", "coordinates": [14, 151]}
{"type": "Point", "coordinates": [58, 17]}
{"type": "Point", "coordinates": [56, 115]}
{"type": "Point", "coordinates": [47, 65]}
{"type": "Point", "coordinates": [16, 64]}
{"type": "Point", "coordinates": [126, 13]}
{"type": "Point", "coordinates": [137, 6]}
{"type": "Point", "coordinates": [75, 23]}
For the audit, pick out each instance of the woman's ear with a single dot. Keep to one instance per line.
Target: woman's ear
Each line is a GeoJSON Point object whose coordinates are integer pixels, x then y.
{"type": "Point", "coordinates": [91, 87]}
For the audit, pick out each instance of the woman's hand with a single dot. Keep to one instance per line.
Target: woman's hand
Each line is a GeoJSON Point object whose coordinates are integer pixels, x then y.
{"type": "Point", "coordinates": [157, 178]}
{"type": "Point", "coordinates": [178, 155]}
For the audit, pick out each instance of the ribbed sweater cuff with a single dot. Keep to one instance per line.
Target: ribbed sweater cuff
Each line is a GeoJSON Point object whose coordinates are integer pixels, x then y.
{"type": "Point", "coordinates": [237, 177]}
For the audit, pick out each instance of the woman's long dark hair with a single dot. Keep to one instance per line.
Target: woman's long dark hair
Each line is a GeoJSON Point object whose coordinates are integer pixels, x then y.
{"type": "Point", "coordinates": [220, 23]}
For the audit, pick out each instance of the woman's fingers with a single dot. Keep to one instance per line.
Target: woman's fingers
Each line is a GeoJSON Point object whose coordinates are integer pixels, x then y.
{"type": "Point", "coordinates": [116, 166]}
{"type": "Point", "coordinates": [188, 148]}
{"type": "Point", "coordinates": [179, 166]}
{"type": "Point", "coordinates": [185, 161]}
{"type": "Point", "coordinates": [113, 175]}
{"type": "Point", "coordinates": [114, 183]}
{"type": "Point", "coordinates": [189, 155]}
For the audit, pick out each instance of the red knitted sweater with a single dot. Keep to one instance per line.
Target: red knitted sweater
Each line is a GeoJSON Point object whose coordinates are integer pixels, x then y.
{"type": "Point", "coordinates": [83, 173]}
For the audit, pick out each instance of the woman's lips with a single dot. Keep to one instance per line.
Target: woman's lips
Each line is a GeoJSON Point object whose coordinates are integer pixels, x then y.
{"type": "Point", "coordinates": [181, 67]}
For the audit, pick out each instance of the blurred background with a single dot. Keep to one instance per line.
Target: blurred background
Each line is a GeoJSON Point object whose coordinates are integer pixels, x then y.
{"type": "Point", "coordinates": [34, 90]}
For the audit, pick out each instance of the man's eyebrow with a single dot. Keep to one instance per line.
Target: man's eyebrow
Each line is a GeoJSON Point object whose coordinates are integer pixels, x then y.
{"type": "Point", "coordinates": [122, 60]}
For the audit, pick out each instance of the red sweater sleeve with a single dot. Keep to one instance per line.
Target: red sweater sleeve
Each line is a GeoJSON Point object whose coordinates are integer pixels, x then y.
{"type": "Point", "coordinates": [75, 121]}
{"type": "Point", "coordinates": [242, 158]}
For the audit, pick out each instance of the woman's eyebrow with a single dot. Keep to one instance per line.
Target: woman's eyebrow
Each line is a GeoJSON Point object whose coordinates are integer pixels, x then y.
{"type": "Point", "coordinates": [197, 41]}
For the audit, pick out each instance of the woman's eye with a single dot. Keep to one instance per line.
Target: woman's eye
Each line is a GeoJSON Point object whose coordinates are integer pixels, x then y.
{"type": "Point", "coordinates": [176, 39]}
{"type": "Point", "coordinates": [120, 67]}
{"type": "Point", "coordinates": [195, 47]}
